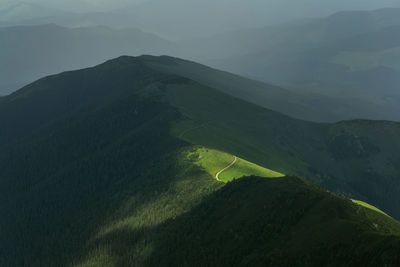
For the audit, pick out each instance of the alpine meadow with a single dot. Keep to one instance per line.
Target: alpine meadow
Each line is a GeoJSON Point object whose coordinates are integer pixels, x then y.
{"type": "Point", "coordinates": [184, 133]}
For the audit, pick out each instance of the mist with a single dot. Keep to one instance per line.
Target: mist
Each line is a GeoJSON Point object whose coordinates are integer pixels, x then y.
{"type": "Point", "coordinates": [181, 19]}
{"type": "Point", "coordinates": [309, 46]}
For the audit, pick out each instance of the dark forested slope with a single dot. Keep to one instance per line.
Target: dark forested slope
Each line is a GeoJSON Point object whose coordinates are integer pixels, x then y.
{"type": "Point", "coordinates": [281, 222]}
{"type": "Point", "coordinates": [93, 166]}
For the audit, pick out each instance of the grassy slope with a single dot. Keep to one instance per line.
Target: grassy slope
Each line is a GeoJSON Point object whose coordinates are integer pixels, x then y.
{"type": "Point", "coordinates": [346, 157]}
{"type": "Point", "coordinates": [213, 161]}
{"type": "Point", "coordinates": [362, 203]}
{"type": "Point", "coordinates": [266, 95]}
{"type": "Point", "coordinates": [244, 168]}
{"type": "Point", "coordinates": [123, 174]}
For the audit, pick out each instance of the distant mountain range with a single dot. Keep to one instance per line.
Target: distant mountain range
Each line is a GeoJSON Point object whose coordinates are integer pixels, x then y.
{"type": "Point", "coordinates": [112, 166]}
{"type": "Point", "coordinates": [351, 55]}
{"type": "Point", "coordinates": [30, 52]}
{"type": "Point", "coordinates": [344, 66]}
{"type": "Point", "coordinates": [177, 19]}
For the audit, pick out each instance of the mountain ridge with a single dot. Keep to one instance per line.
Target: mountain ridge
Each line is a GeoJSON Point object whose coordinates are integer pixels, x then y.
{"type": "Point", "coordinates": [357, 136]}
{"type": "Point", "coordinates": [327, 57]}
{"type": "Point", "coordinates": [94, 161]}
{"type": "Point", "coordinates": [28, 55]}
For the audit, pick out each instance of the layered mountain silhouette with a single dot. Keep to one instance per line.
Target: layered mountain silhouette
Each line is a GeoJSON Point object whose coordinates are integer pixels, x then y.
{"type": "Point", "coordinates": [350, 56]}
{"type": "Point", "coordinates": [31, 52]}
{"type": "Point", "coordinates": [340, 67]}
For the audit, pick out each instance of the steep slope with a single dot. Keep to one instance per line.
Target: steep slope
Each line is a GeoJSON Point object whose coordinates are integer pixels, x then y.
{"type": "Point", "coordinates": [225, 167]}
{"type": "Point", "coordinates": [31, 52]}
{"type": "Point", "coordinates": [27, 56]}
{"type": "Point", "coordinates": [283, 222]}
{"type": "Point", "coordinates": [357, 157]}
{"type": "Point", "coordinates": [319, 106]}
{"type": "Point", "coordinates": [254, 222]}
{"type": "Point", "coordinates": [89, 146]}
{"type": "Point", "coordinates": [303, 106]}
{"type": "Point", "coordinates": [96, 161]}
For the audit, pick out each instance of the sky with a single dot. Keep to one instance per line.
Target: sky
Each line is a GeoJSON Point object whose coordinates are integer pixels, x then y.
{"type": "Point", "coordinates": [293, 7]}
{"type": "Point", "coordinates": [79, 6]}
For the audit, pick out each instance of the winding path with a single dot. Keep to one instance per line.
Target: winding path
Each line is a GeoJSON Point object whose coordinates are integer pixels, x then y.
{"type": "Point", "coordinates": [224, 169]}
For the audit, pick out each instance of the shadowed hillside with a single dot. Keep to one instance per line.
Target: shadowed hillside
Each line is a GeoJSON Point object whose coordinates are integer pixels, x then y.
{"type": "Point", "coordinates": [95, 171]}
{"type": "Point", "coordinates": [281, 222]}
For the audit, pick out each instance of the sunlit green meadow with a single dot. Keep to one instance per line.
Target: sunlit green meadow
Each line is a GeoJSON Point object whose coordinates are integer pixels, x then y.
{"type": "Point", "coordinates": [213, 161]}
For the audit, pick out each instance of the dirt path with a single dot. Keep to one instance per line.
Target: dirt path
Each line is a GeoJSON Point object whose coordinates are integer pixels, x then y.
{"type": "Point", "coordinates": [224, 169]}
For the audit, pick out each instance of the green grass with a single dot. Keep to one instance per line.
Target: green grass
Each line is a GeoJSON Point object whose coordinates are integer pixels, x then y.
{"type": "Point", "coordinates": [244, 168]}
{"type": "Point", "coordinates": [334, 155]}
{"type": "Point", "coordinates": [213, 161]}
{"type": "Point", "coordinates": [256, 92]}
{"type": "Point", "coordinates": [364, 204]}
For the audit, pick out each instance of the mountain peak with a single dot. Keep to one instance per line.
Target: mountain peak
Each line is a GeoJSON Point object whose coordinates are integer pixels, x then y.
{"type": "Point", "coordinates": [163, 59]}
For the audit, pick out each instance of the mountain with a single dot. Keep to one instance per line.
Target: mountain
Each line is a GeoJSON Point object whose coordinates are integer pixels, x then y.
{"type": "Point", "coordinates": [105, 166]}
{"type": "Point", "coordinates": [284, 222]}
{"type": "Point", "coordinates": [31, 52]}
{"type": "Point", "coordinates": [28, 56]}
{"type": "Point", "coordinates": [324, 63]}
{"type": "Point", "coordinates": [303, 32]}
{"type": "Point", "coordinates": [186, 18]}
{"type": "Point", "coordinates": [177, 19]}
{"type": "Point", "coordinates": [307, 105]}
{"type": "Point", "coordinates": [348, 56]}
